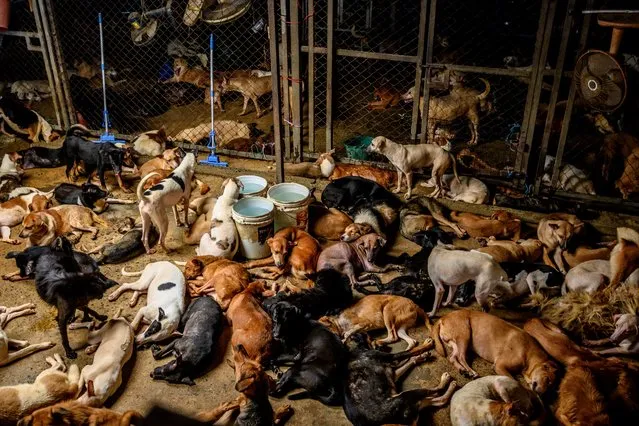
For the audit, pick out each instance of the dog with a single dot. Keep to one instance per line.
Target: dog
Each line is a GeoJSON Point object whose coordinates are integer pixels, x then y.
{"type": "Point", "coordinates": [220, 278]}
{"type": "Point", "coordinates": [42, 227]}
{"type": "Point", "coordinates": [166, 289]}
{"type": "Point", "coordinates": [223, 239]}
{"type": "Point", "coordinates": [422, 213]}
{"type": "Point", "coordinates": [124, 248]}
{"type": "Point", "coordinates": [319, 358]}
{"type": "Point", "coordinates": [203, 207]}
{"type": "Point", "coordinates": [327, 224]}
{"type": "Point", "coordinates": [370, 388]}
{"type": "Point", "coordinates": [14, 211]}
{"type": "Point", "coordinates": [407, 158]}
{"type": "Point", "coordinates": [501, 225]}
{"type": "Point", "coordinates": [23, 348]}
{"type": "Point", "coordinates": [555, 231]}
{"type": "Point", "coordinates": [461, 102]}
{"type": "Point", "coordinates": [225, 131]}
{"type": "Point", "coordinates": [378, 311]}
{"type": "Point", "coordinates": [333, 171]}
{"type": "Point", "coordinates": [329, 295]}
{"type": "Point", "coordinates": [353, 258]}
{"type": "Point", "coordinates": [195, 76]}
{"type": "Point", "coordinates": [292, 250]}
{"type": "Point", "coordinates": [18, 121]}
{"type": "Point", "coordinates": [384, 97]}
{"type": "Point", "coordinates": [510, 348]}
{"type": "Point", "coordinates": [168, 193]}
{"type": "Point", "coordinates": [151, 143]}
{"type": "Point", "coordinates": [60, 282]}
{"type": "Point", "coordinates": [87, 195]}
{"type": "Point", "coordinates": [495, 400]}
{"type": "Point", "coordinates": [112, 346]}
{"type": "Point", "coordinates": [419, 289]}
{"type": "Point", "coordinates": [625, 338]}
{"type": "Point", "coordinates": [31, 90]}
{"type": "Point", "coordinates": [349, 193]}
{"type": "Point", "coordinates": [465, 188]}
{"type": "Point", "coordinates": [95, 156]}
{"type": "Point", "coordinates": [571, 178]}
{"type": "Point", "coordinates": [532, 278]}
{"type": "Point", "coordinates": [50, 386]}
{"type": "Point", "coordinates": [75, 413]}
{"type": "Point", "coordinates": [588, 276]}
{"type": "Point", "coordinates": [594, 390]}
{"type": "Point", "coordinates": [624, 258]}
{"type": "Point", "coordinates": [10, 175]}
{"type": "Point", "coordinates": [447, 266]}
{"type": "Point", "coordinates": [202, 325]}
{"type": "Point", "coordinates": [167, 160]}
{"type": "Point", "coordinates": [251, 87]}
{"type": "Point", "coordinates": [367, 220]}
{"type": "Point", "coordinates": [528, 251]}
{"type": "Point", "coordinates": [615, 149]}
{"type": "Point", "coordinates": [628, 183]}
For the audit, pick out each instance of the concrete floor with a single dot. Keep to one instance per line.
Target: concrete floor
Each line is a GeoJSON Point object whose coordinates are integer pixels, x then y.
{"type": "Point", "coordinates": [138, 390]}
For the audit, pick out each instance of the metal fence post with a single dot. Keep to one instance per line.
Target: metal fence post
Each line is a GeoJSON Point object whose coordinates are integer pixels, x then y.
{"type": "Point", "coordinates": [275, 80]}
{"type": "Point", "coordinates": [284, 53]}
{"type": "Point", "coordinates": [330, 61]}
{"type": "Point", "coordinates": [310, 90]}
{"type": "Point", "coordinates": [296, 115]}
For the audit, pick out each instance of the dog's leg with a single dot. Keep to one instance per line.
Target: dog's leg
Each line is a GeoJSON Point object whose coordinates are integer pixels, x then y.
{"type": "Point", "coordinates": [15, 276]}
{"type": "Point", "coordinates": [217, 413]}
{"type": "Point", "coordinates": [246, 100]}
{"type": "Point", "coordinates": [439, 295]}
{"type": "Point", "coordinates": [440, 400]}
{"type": "Point", "coordinates": [178, 222]}
{"type": "Point", "coordinates": [138, 287]}
{"type": "Point", "coordinates": [92, 229]}
{"type": "Point", "coordinates": [121, 184]}
{"type": "Point", "coordinates": [286, 382]}
{"type": "Point", "coordinates": [451, 294]}
{"type": "Point", "coordinates": [399, 182]}
{"type": "Point", "coordinates": [97, 249]}
{"type": "Point", "coordinates": [159, 352]}
{"type": "Point", "coordinates": [409, 185]}
{"type": "Point", "coordinates": [406, 338]}
{"type": "Point", "coordinates": [147, 223]}
{"type": "Point", "coordinates": [391, 332]}
{"type": "Point", "coordinates": [600, 342]}
{"type": "Point", "coordinates": [65, 313]}
{"type": "Point", "coordinates": [185, 203]}
{"type": "Point", "coordinates": [473, 125]}
{"type": "Point", "coordinates": [558, 257]}
{"type": "Point", "coordinates": [139, 317]}
{"type": "Point", "coordinates": [618, 351]}
{"type": "Point", "coordinates": [26, 351]}
{"type": "Point", "coordinates": [163, 227]}
{"type": "Point", "coordinates": [90, 312]}
{"type": "Point", "coordinates": [432, 126]}
{"type": "Point", "coordinates": [15, 312]}
{"type": "Point", "coordinates": [257, 106]}
{"type": "Point", "coordinates": [5, 231]}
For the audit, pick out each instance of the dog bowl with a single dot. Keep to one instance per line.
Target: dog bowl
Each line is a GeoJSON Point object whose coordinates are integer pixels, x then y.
{"type": "Point", "coordinates": [253, 218]}
{"type": "Point", "coordinates": [254, 186]}
{"type": "Point", "coordinates": [291, 202]}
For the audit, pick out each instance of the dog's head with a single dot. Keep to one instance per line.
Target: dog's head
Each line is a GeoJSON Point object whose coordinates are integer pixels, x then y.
{"type": "Point", "coordinates": [180, 66]}
{"type": "Point", "coordinates": [355, 231]}
{"type": "Point", "coordinates": [62, 244]}
{"type": "Point", "coordinates": [193, 268]}
{"type": "Point", "coordinates": [232, 187]}
{"type": "Point", "coordinates": [542, 377]}
{"type": "Point", "coordinates": [332, 324]}
{"type": "Point", "coordinates": [358, 342]}
{"type": "Point", "coordinates": [503, 216]}
{"type": "Point", "coordinates": [286, 319]}
{"type": "Point", "coordinates": [93, 192]}
{"type": "Point", "coordinates": [173, 156]}
{"type": "Point", "coordinates": [370, 245]}
{"type": "Point", "coordinates": [114, 157]}
{"type": "Point", "coordinates": [377, 145]}
{"type": "Point", "coordinates": [326, 163]}
{"type": "Point", "coordinates": [626, 325]}
{"type": "Point", "coordinates": [409, 95]}
{"type": "Point", "coordinates": [61, 414]}
{"type": "Point", "coordinates": [15, 157]}
{"type": "Point", "coordinates": [156, 326]}
{"type": "Point", "coordinates": [34, 225]}
{"type": "Point", "coordinates": [280, 248]}
{"type": "Point", "coordinates": [250, 378]}
{"type": "Point", "coordinates": [39, 203]}
{"type": "Point", "coordinates": [562, 231]}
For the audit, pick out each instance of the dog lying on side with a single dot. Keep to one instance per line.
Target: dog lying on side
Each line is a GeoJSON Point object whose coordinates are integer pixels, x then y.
{"type": "Point", "coordinates": [223, 239]}
{"type": "Point", "coordinates": [349, 193]}
{"type": "Point", "coordinates": [165, 287]}
{"type": "Point", "coordinates": [23, 348]}
{"type": "Point", "coordinates": [510, 348]}
{"type": "Point", "coordinates": [19, 121]}
{"type": "Point", "coordinates": [367, 220]}
{"type": "Point", "coordinates": [167, 160]}
{"type": "Point", "coordinates": [370, 391]}
{"type": "Point", "coordinates": [624, 258]}
{"type": "Point", "coordinates": [407, 158]}
{"type": "Point", "coordinates": [422, 214]}
{"type": "Point", "coordinates": [50, 386]}
{"type": "Point", "coordinates": [625, 338]}
{"type": "Point", "coordinates": [527, 251]}
{"type": "Point", "coordinates": [87, 195]}
{"type": "Point", "coordinates": [555, 231]}
{"type": "Point", "coordinates": [124, 248]}
{"type": "Point", "coordinates": [571, 178]}
{"type": "Point", "coordinates": [74, 413]}
{"type": "Point", "coordinates": [465, 188]}
{"type": "Point", "coordinates": [151, 143]}
{"type": "Point", "coordinates": [495, 400]}
{"type": "Point", "coordinates": [333, 170]}
{"type": "Point", "coordinates": [37, 157]}
{"type": "Point", "coordinates": [167, 193]}
{"type": "Point", "coordinates": [501, 225]}
{"type": "Point", "coordinates": [112, 346]}
{"type": "Point", "coordinates": [395, 313]}
{"type": "Point", "coordinates": [419, 289]}
{"type": "Point", "coordinates": [14, 211]}
{"type": "Point", "coordinates": [328, 224]}
{"type": "Point", "coordinates": [319, 358]}
{"type": "Point", "coordinates": [220, 278]}
{"type": "Point", "coordinates": [10, 175]}
{"type": "Point", "coordinates": [531, 278]}
{"type": "Point", "coordinates": [202, 325]}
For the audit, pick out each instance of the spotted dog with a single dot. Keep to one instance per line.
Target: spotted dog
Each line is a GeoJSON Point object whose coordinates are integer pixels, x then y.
{"type": "Point", "coordinates": [168, 193]}
{"type": "Point", "coordinates": [222, 240]}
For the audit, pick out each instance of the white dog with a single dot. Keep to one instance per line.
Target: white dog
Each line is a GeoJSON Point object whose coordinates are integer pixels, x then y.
{"type": "Point", "coordinates": [223, 240]}
{"type": "Point", "coordinates": [24, 349]}
{"type": "Point", "coordinates": [165, 286]}
{"type": "Point", "coordinates": [467, 189]}
{"type": "Point", "coordinates": [593, 275]}
{"type": "Point", "coordinates": [447, 266]}
{"type": "Point", "coordinates": [113, 346]}
{"type": "Point", "coordinates": [168, 193]}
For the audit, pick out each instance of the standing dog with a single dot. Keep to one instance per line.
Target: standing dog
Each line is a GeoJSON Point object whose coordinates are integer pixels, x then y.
{"type": "Point", "coordinates": [251, 87]}
{"type": "Point", "coordinates": [223, 239]}
{"type": "Point", "coordinates": [165, 287]}
{"type": "Point", "coordinates": [167, 193]}
{"type": "Point", "coordinates": [24, 349]}
{"type": "Point", "coordinates": [406, 158]}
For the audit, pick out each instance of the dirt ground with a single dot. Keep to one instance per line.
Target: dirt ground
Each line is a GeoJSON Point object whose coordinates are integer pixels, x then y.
{"type": "Point", "coordinates": [138, 390]}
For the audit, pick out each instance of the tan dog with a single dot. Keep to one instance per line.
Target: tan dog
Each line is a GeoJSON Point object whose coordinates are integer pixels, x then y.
{"type": "Point", "coordinates": [510, 348]}
{"type": "Point", "coordinates": [384, 97]}
{"type": "Point", "coordinates": [554, 231]}
{"type": "Point", "coordinates": [152, 142]}
{"type": "Point", "coordinates": [76, 414]}
{"type": "Point", "coordinates": [42, 227]}
{"type": "Point", "coordinates": [13, 212]}
{"type": "Point", "coordinates": [333, 170]}
{"type": "Point", "coordinates": [51, 386]}
{"type": "Point", "coordinates": [375, 312]}
{"type": "Point", "coordinates": [628, 183]}
{"type": "Point", "coordinates": [624, 258]}
{"type": "Point", "coordinates": [356, 230]}
{"type": "Point", "coordinates": [501, 225]}
{"type": "Point", "coordinates": [168, 160]}
{"type": "Point", "coordinates": [24, 349]}
{"type": "Point", "coordinates": [182, 73]}
{"type": "Point", "coordinates": [616, 145]}
{"type": "Point", "coordinates": [328, 224]}
{"type": "Point", "coordinates": [407, 158]}
{"type": "Point", "coordinates": [291, 249]}
{"type": "Point", "coordinates": [510, 251]}
{"type": "Point", "coordinates": [221, 278]}
{"type": "Point", "coordinates": [250, 86]}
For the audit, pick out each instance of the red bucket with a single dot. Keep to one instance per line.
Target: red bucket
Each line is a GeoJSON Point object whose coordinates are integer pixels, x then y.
{"type": "Point", "coordinates": [4, 15]}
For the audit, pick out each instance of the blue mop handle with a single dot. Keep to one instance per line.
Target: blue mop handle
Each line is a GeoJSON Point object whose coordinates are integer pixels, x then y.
{"type": "Point", "coordinates": [105, 112]}
{"type": "Point", "coordinates": [212, 86]}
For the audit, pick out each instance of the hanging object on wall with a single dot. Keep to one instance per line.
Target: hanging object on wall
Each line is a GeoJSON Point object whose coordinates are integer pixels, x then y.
{"type": "Point", "coordinates": [146, 23]}
{"type": "Point", "coordinates": [224, 11]}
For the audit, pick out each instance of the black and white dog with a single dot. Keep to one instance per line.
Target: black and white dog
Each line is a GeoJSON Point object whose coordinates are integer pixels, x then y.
{"type": "Point", "coordinates": [87, 195]}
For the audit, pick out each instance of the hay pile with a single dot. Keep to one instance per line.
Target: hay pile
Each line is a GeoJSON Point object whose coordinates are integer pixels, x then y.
{"type": "Point", "coordinates": [589, 316]}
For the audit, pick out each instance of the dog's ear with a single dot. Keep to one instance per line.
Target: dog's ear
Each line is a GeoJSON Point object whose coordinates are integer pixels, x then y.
{"type": "Point", "coordinates": [12, 254]}
{"type": "Point", "coordinates": [58, 414]}
{"type": "Point", "coordinates": [242, 350]}
{"type": "Point", "coordinates": [616, 317]}
{"type": "Point", "coordinates": [269, 241]}
{"type": "Point", "coordinates": [161, 314]}
{"type": "Point", "coordinates": [577, 228]}
{"type": "Point", "coordinates": [332, 151]}
{"type": "Point", "coordinates": [381, 241]}
{"type": "Point", "coordinates": [553, 226]}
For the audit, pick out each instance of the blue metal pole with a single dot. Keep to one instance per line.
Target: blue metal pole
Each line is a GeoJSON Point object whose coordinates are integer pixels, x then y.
{"type": "Point", "coordinates": [212, 159]}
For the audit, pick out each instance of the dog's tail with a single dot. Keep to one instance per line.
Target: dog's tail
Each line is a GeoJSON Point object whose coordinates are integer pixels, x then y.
{"type": "Point", "coordinates": [97, 219]}
{"type": "Point", "coordinates": [434, 334]}
{"type": "Point", "coordinates": [483, 95]}
{"type": "Point", "coordinates": [559, 346]}
{"type": "Point", "coordinates": [140, 190]}
{"type": "Point", "coordinates": [424, 317]}
{"type": "Point", "coordinates": [78, 130]}
{"type": "Point", "coordinates": [126, 273]}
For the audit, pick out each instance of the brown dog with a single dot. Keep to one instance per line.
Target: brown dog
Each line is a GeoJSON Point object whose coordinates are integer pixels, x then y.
{"type": "Point", "coordinates": [42, 227]}
{"type": "Point", "coordinates": [291, 249]}
{"type": "Point", "coordinates": [169, 160]}
{"type": "Point", "coordinates": [328, 224]}
{"type": "Point", "coordinates": [250, 86]}
{"type": "Point", "coordinates": [223, 279]}
{"type": "Point", "coordinates": [554, 231]}
{"type": "Point", "coordinates": [493, 339]}
{"type": "Point", "coordinates": [501, 225]}
{"type": "Point", "coordinates": [384, 97]}
{"type": "Point", "coordinates": [76, 414]}
{"type": "Point", "coordinates": [510, 251]}
{"type": "Point", "coordinates": [628, 183]}
{"type": "Point", "coordinates": [196, 76]}
{"type": "Point", "coordinates": [624, 258]}
{"type": "Point", "coordinates": [616, 145]}
{"type": "Point", "coordinates": [332, 170]}
{"type": "Point", "coordinates": [375, 312]}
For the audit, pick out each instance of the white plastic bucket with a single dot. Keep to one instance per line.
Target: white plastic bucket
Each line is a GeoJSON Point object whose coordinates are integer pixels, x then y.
{"type": "Point", "coordinates": [254, 186]}
{"type": "Point", "coordinates": [291, 202]}
{"type": "Point", "coordinates": [253, 218]}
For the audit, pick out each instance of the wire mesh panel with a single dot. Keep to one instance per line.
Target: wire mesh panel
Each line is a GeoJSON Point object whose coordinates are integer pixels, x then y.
{"type": "Point", "coordinates": [157, 67]}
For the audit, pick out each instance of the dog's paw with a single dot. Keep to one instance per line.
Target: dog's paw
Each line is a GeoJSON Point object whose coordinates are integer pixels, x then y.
{"type": "Point", "coordinates": [407, 196]}
{"type": "Point", "coordinates": [127, 190]}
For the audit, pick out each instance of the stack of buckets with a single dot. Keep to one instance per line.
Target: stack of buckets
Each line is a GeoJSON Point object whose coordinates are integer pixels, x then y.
{"type": "Point", "coordinates": [258, 218]}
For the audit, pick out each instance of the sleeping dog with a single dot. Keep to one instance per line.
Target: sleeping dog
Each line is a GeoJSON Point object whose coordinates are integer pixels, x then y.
{"type": "Point", "coordinates": [41, 157]}
{"type": "Point", "coordinates": [87, 195]}
{"type": "Point", "coordinates": [19, 121]}
{"type": "Point", "coordinates": [349, 193]}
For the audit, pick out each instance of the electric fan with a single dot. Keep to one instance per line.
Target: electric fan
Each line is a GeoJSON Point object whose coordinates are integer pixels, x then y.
{"type": "Point", "coordinates": [601, 81]}
{"type": "Point", "coordinates": [223, 11]}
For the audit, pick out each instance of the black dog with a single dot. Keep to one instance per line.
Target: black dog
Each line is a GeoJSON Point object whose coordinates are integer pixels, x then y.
{"type": "Point", "coordinates": [40, 157]}
{"type": "Point", "coordinates": [202, 325]}
{"type": "Point", "coordinates": [331, 293]}
{"type": "Point", "coordinates": [349, 193]}
{"type": "Point", "coordinates": [60, 282]}
{"type": "Point", "coordinates": [419, 289]}
{"type": "Point", "coordinates": [370, 396]}
{"type": "Point", "coordinates": [128, 247]}
{"type": "Point", "coordinates": [8, 183]}
{"type": "Point", "coordinates": [95, 156]}
{"type": "Point", "coordinates": [87, 195]}
{"type": "Point", "coordinates": [318, 356]}
{"type": "Point", "coordinates": [26, 262]}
